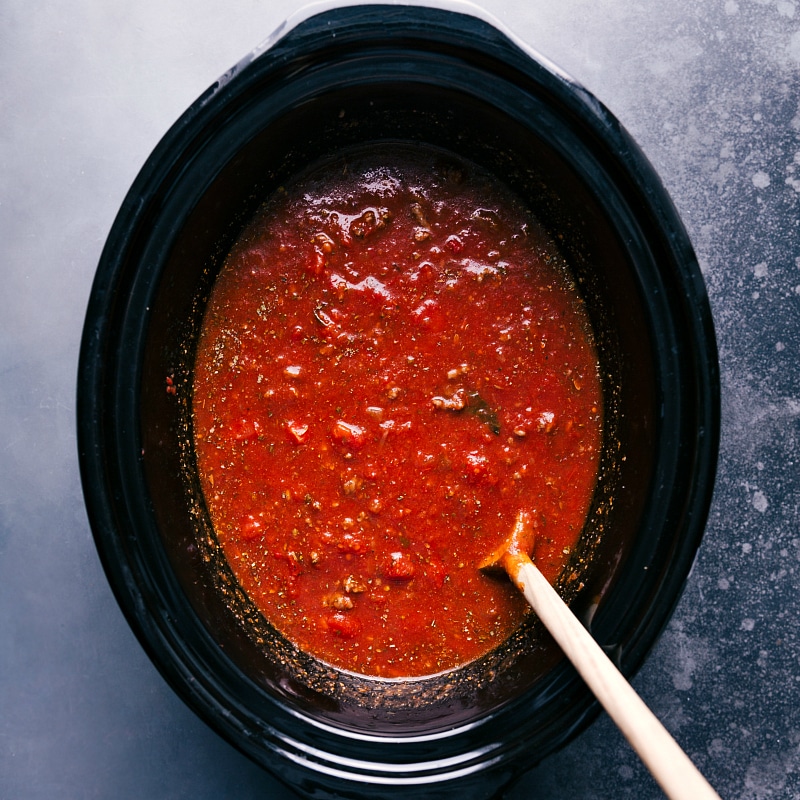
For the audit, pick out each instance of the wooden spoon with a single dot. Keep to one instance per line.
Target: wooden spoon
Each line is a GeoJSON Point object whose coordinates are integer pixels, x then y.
{"type": "Point", "coordinates": [661, 754]}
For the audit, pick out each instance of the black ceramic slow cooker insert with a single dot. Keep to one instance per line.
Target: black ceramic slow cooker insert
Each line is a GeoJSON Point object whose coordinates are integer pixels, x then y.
{"type": "Point", "coordinates": [425, 77]}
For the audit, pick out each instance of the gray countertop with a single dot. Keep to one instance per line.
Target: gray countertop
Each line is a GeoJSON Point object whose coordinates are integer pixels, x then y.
{"type": "Point", "coordinates": [711, 90]}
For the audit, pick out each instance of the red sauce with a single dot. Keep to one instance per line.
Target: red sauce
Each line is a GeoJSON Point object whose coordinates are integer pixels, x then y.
{"type": "Point", "coordinates": [392, 365]}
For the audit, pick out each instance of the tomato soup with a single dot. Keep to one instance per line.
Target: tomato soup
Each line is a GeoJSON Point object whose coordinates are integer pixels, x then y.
{"type": "Point", "coordinates": [394, 362]}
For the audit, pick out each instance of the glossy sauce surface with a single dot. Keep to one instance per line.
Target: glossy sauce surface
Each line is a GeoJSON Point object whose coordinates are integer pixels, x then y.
{"type": "Point", "coordinates": [393, 364]}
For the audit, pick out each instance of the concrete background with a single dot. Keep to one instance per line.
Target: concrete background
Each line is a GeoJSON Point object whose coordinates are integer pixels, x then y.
{"type": "Point", "coordinates": [710, 91]}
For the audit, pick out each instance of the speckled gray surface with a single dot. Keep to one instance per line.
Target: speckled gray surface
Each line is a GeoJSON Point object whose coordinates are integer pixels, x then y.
{"type": "Point", "coordinates": [711, 90]}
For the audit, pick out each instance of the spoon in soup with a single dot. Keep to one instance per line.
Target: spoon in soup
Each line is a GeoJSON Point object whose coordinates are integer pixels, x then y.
{"type": "Point", "coordinates": [661, 754]}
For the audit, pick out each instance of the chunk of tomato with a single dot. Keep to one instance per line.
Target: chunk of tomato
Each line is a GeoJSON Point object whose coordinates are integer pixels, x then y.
{"type": "Point", "coordinates": [400, 567]}
{"type": "Point", "coordinates": [352, 436]}
{"type": "Point", "coordinates": [343, 624]}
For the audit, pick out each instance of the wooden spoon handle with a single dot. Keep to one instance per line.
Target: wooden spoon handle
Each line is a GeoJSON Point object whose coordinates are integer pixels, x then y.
{"type": "Point", "coordinates": [669, 765]}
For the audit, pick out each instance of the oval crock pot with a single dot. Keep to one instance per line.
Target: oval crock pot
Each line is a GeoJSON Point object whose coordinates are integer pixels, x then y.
{"type": "Point", "coordinates": [430, 77]}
